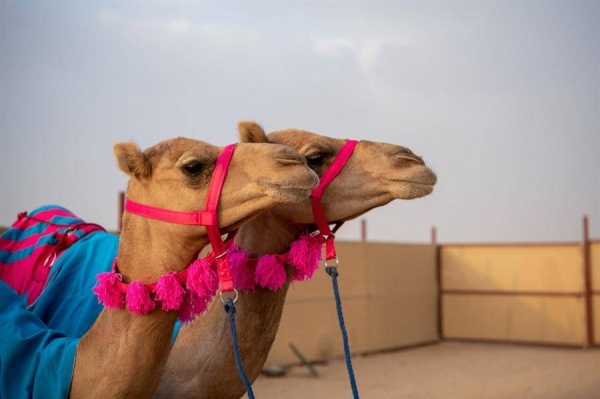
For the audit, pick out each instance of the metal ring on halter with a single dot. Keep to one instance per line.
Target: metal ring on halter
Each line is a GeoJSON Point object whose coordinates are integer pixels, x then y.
{"type": "Point", "coordinates": [337, 262]}
{"type": "Point", "coordinates": [235, 298]}
{"type": "Point", "coordinates": [223, 254]}
{"type": "Point", "coordinates": [53, 256]}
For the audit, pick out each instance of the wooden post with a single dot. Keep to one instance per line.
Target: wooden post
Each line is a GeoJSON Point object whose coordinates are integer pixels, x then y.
{"type": "Point", "coordinates": [587, 277]}
{"type": "Point", "coordinates": [438, 270]}
{"type": "Point", "coordinates": [363, 230]}
{"type": "Point", "coordinates": [121, 207]}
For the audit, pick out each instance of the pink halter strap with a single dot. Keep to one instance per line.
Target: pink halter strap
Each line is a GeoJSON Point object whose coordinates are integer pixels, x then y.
{"type": "Point", "coordinates": [327, 235]}
{"type": "Point", "coordinates": [209, 217]}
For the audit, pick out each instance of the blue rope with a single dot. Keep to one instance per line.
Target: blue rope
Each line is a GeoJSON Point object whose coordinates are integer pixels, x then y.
{"type": "Point", "coordinates": [332, 271]}
{"type": "Point", "coordinates": [230, 309]}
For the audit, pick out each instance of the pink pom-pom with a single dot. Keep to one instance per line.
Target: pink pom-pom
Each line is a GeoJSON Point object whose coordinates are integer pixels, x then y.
{"type": "Point", "coordinates": [243, 273]}
{"type": "Point", "coordinates": [108, 292]}
{"type": "Point", "coordinates": [270, 273]}
{"type": "Point", "coordinates": [169, 291]}
{"type": "Point", "coordinates": [138, 299]}
{"type": "Point", "coordinates": [192, 307]}
{"type": "Point", "coordinates": [305, 255]}
{"type": "Point", "coordinates": [202, 280]}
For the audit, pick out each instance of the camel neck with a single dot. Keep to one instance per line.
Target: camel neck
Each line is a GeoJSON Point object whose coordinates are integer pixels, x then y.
{"type": "Point", "coordinates": [268, 233]}
{"type": "Point", "coordinates": [258, 315]}
{"type": "Point", "coordinates": [144, 255]}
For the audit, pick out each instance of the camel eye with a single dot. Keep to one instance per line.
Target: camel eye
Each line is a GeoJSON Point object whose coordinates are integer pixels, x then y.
{"type": "Point", "coordinates": [193, 168]}
{"type": "Point", "coordinates": [315, 160]}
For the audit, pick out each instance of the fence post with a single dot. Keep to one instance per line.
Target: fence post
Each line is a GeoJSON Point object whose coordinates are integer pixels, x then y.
{"type": "Point", "coordinates": [363, 230]}
{"type": "Point", "coordinates": [438, 269]}
{"type": "Point", "coordinates": [587, 277]}
{"type": "Point", "coordinates": [121, 205]}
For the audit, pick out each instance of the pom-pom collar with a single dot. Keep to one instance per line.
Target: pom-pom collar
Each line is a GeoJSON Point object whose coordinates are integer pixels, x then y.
{"type": "Point", "coordinates": [268, 271]}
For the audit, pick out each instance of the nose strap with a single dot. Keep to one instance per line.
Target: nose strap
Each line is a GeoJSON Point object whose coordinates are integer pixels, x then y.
{"type": "Point", "coordinates": [212, 206]}
{"type": "Point", "coordinates": [331, 173]}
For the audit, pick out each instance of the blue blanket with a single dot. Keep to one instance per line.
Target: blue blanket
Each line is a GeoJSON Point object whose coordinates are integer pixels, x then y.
{"type": "Point", "coordinates": [38, 342]}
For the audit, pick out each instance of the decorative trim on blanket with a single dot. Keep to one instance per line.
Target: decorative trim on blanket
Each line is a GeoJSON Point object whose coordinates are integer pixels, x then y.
{"type": "Point", "coordinates": [30, 248]}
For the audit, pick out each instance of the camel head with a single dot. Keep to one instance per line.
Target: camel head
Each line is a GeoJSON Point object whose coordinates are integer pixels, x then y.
{"type": "Point", "coordinates": [375, 174]}
{"type": "Point", "coordinates": [175, 174]}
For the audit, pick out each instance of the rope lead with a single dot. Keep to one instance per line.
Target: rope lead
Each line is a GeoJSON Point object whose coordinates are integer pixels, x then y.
{"type": "Point", "coordinates": [230, 309]}
{"type": "Point", "coordinates": [332, 271]}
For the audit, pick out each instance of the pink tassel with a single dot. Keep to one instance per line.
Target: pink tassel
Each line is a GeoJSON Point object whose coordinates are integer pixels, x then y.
{"type": "Point", "coordinates": [305, 255]}
{"type": "Point", "coordinates": [138, 299]}
{"type": "Point", "coordinates": [202, 280]}
{"type": "Point", "coordinates": [243, 273]}
{"type": "Point", "coordinates": [270, 273]}
{"type": "Point", "coordinates": [185, 311]}
{"type": "Point", "coordinates": [192, 307]}
{"type": "Point", "coordinates": [169, 291]}
{"type": "Point", "coordinates": [108, 292]}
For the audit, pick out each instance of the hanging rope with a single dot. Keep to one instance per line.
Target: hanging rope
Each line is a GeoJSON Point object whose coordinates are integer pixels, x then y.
{"type": "Point", "coordinates": [230, 309]}
{"type": "Point", "coordinates": [332, 271]}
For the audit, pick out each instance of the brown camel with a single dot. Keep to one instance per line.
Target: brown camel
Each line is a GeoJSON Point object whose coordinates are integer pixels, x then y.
{"type": "Point", "coordinates": [123, 355]}
{"type": "Point", "coordinates": [201, 363]}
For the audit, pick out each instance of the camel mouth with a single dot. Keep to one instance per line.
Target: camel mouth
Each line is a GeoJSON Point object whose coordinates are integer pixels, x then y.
{"type": "Point", "coordinates": [287, 193]}
{"type": "Point", "coordinates": [297, 186]}
{"type": "Point", "coordinates": [290, 189]}
{"type": "Point", "coordinates": [412, 182]}
{"type": "Point", "coordinates": [422, 189]}
{"type": "Point", "coordinates": [424, 177]}
{"type": "Point", "coordinates": [410, 189]}
{"type": "Point", "coordinates": [420, 185]}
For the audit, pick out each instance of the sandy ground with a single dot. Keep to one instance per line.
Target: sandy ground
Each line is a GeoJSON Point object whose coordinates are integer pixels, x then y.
{"type": "Point", "coordinates": [449, 370]}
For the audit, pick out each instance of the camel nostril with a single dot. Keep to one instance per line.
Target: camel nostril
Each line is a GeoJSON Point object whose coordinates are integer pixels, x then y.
{"type": "Point", "coordinates": [411, 158]}
{"type": "Point", "coordinates": [287, 156]}
{"type": "Point", "coordinates": [290, 161]}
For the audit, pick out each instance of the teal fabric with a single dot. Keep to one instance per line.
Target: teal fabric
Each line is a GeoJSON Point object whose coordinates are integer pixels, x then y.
{"type": "Point", "coordinates": [67, 303]}
{"type": "Point", "coordinates": [38, 343]}
{"type": "Point", "coordinates": [35, 361]}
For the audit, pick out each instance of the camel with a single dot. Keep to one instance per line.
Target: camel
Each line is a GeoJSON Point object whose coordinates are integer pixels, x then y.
{"type": "Point", "coordinates": [201, 363]}
{"type": "Point", "coordinates": [123, 354]}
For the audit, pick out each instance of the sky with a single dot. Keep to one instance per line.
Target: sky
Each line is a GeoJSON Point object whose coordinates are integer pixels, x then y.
{"type": "Point", "coordinates": [500, 98]}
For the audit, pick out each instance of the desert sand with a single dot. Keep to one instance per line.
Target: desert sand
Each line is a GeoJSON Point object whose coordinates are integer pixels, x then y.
{"type": "Point", "coordinates": [449, 370]}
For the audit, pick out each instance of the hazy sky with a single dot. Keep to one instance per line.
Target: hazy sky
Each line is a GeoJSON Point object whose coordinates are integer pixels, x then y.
{"type": "Point", "coordinates": [500, 98]}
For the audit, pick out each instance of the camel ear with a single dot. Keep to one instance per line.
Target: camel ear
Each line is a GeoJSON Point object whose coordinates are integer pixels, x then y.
{"type": "Point", "coordinates": [251, 132]}
{"type": "Point", "coordinates": [131, 160]}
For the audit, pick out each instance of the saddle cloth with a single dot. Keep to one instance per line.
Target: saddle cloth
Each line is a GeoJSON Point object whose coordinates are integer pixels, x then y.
{"type": "Point", "coordinates": [30, 248]}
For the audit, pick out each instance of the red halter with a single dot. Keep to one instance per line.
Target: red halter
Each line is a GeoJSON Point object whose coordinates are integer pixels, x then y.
{"type": "Point", "coordinates": [208, 217]}
{"type": "Point", "coordinates": [327, 235]}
